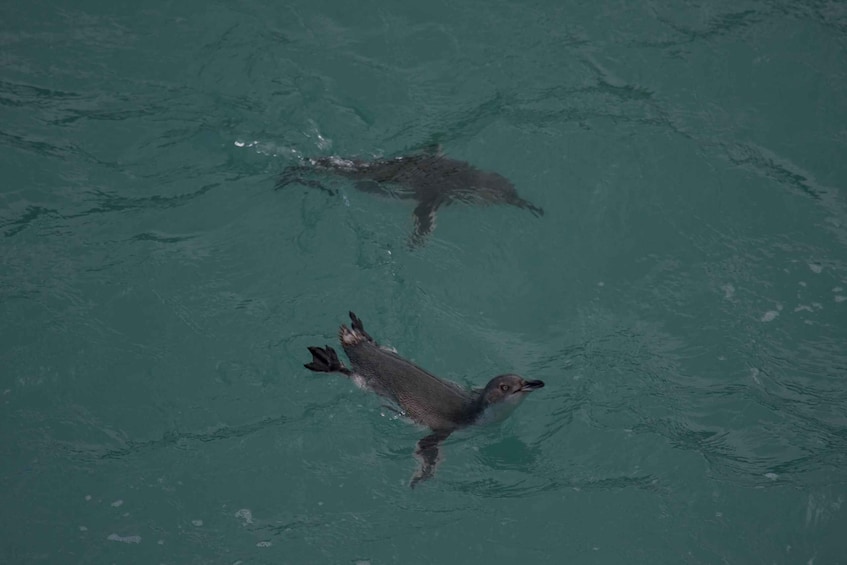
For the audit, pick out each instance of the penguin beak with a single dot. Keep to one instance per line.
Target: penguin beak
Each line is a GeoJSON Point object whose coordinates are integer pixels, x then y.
{"type": "Point", "coordinates": [529, 386]}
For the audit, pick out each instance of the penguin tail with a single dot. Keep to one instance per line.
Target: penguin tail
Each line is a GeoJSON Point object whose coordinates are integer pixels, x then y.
{"type": "Point", "coordinates": [325, 360]}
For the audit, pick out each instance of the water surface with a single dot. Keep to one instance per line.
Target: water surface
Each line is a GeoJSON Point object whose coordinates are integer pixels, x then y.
{"type": "Point", "coordinates": [684, 297]}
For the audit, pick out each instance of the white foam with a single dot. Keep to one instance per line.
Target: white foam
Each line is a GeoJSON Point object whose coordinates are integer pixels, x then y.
{"type": "Point", "coordinates": [124, 539]}
{"type": "Point", "coordinates": [323, 143]}
{"type": "Point", "coordinates": [245, 515]}
{"type": "Point", "coordinates": [117, 503]}
{"type": "Point", "coordinates": [342, 163]}
{"type": "Point", "coordinates": [770, 315]}
{"type": "Point", "coordinates": [266, 148]}
{"type": "Point", "coordinates": [359, 381]}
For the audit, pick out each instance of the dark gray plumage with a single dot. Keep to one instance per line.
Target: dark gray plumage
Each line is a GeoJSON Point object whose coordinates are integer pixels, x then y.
{"type": "Point", "coordinates": [440, 405]}
{"type": "Point", "coordinates": [430, 178]}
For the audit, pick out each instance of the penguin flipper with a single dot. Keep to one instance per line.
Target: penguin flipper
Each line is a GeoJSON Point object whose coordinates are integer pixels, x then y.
{"type": "Point", "coordinates": [428, 453]}
{"type": "Point", "coordinates": [424, 216]}
{"type": "Point", "coordinates": [521, 203]}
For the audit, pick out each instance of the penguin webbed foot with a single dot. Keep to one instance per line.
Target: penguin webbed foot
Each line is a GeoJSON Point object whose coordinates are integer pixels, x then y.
{"type": "Point", "coordinates": [429, 455]}
{"type": "Point", "coordinates": [359, 327]}
{"type": "Point", "coordinates": [296, 174]}
{"type": "Point", "coordinates": [325, 360]}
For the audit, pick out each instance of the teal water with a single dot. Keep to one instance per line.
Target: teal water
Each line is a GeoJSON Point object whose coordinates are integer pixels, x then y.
{"type": "Point", "coordinates": [684, 297]}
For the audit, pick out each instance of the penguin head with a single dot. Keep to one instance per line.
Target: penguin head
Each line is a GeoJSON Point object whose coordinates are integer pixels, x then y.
{"type": "Point", "coordinates": [503, 393]}
{"type": "Point", "coordinates": [489, 187]}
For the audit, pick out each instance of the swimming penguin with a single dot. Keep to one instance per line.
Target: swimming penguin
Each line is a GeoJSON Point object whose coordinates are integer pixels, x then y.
{"type": "Point", "coordinates": [429, 177]}
{"type": "Point", "coordinates": [440, 405]}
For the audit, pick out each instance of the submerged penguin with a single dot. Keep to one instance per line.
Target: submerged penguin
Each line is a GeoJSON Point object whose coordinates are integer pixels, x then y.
{"type": "Point", "coordinates": [430, 177]}
{"type": "Point", "coordinates": [440, 405]}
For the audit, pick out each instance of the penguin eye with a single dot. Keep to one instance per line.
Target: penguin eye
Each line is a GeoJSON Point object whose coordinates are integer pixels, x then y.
{"type": "Point", "coordinates": [504, 387]}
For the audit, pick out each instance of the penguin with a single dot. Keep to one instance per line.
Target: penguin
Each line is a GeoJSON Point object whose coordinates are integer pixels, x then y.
{"type": "Point", "coordinates": [438, 404]}
{"type": "Point", "coordinates": [429, 177]}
